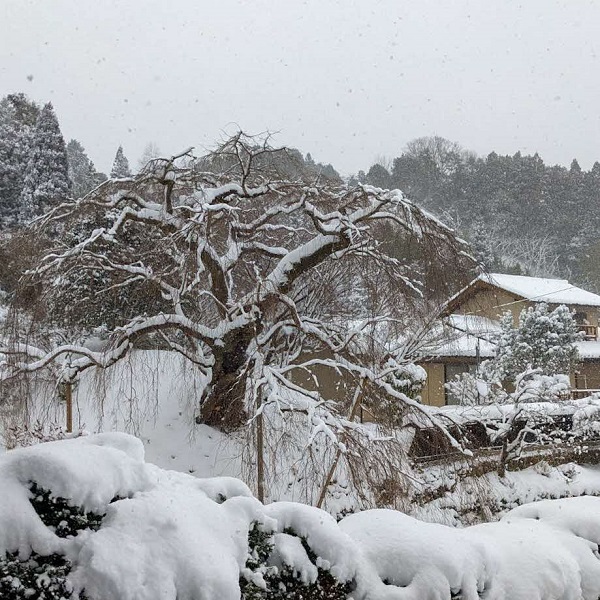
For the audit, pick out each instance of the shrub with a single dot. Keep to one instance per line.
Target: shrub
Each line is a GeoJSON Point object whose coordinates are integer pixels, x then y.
{"type": "Point", "coordinates": [37, 578]}
{"type": "Point", "coordinates": [46, 577]}
{"type": "Point", "coordinates": [61, 516]}
{"type": "Point", "coordinates": [263, 581]}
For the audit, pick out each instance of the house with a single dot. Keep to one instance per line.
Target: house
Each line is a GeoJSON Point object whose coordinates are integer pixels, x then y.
{"type": "Point", "coordinates": [470, 319]}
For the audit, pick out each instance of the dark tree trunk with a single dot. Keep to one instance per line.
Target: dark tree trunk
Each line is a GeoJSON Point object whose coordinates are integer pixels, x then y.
{"type": "Point", "coordinates": [223, 404]}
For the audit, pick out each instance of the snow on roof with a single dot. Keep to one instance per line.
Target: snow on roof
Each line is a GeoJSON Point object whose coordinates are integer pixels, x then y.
{"type": "Point", "coordinates": [553, 291]}
{"type": "Point", "coordinates": [475, 324]}
{"type": "Point", "coordinates": [477, 339]}
{"type": "Point", "coordinates": [589, 349]}
{"type": "Point", "coordinates": [465, 345]}
{"type": "Point", "coordinates": [461, 335]}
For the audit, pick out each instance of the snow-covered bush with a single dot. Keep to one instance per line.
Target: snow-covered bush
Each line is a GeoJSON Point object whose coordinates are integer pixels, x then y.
{"type": "Point", "coordinates": [534, 386]}
{"type": "Point", "coordinates": [586, 418]}
{"type": "Point", "coordinates": [406, 378]}
{"type": "Point", "coordinates": [170, 536]}
{"type": "Point", "coordinates": [35, 578]}
{"type": "Point", "coordinates": [270, 576]}
{"type": "Point", "coordinates": [61, 516]}
{"type": "Point", "coordinates": [39, 576]}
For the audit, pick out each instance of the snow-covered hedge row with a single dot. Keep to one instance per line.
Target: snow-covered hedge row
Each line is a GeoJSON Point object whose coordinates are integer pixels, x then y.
{"type": "Point", "coordinates": [88, 518]}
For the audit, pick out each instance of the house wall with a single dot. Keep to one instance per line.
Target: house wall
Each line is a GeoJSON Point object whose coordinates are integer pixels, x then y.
{"type": "Point", "coordinates": [433, 392]}
{"type": "Point", "coordinates": [492, 304]}
{"type": "Point", "coordinates": [330, 383]}
{"type": "Point", "coordinates": [587, 376]}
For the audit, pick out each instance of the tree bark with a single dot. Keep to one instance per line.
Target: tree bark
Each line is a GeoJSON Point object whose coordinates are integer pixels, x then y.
{"type": "Point", "coordinates": [223, 405]}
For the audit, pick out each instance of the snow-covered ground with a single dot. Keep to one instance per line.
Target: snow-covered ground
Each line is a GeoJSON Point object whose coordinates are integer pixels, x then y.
{"type": "Point", "coordinates": [172, 536]}
{"type": "Point", "coordinates": [154, 395]}
{"type": "Point", "coordinates": [460, 500]}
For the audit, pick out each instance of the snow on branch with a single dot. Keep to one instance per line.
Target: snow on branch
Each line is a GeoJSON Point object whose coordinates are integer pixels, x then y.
{"type": "Point", "coordinates": [223, 256]}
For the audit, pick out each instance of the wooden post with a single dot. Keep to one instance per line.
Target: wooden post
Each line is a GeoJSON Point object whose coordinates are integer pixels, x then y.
{"type": "Point", "coordinates": [69, 404]}
{"type": "Point", "coordinates": [260, 464]}
{"type": "Point", "coordinates": [356, 404]}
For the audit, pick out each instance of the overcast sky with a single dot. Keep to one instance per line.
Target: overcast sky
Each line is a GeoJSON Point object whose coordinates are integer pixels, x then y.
{"type": "Point", "coordinates": [345, 80]}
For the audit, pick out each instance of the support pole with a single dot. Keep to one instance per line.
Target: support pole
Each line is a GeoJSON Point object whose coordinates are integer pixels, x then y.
{"type": "Point", "coordinates": [260, 459]}
{"type": "Point", "coordinates": [356, 404]}
{"type": "Point", "coordinates": [69, 405]}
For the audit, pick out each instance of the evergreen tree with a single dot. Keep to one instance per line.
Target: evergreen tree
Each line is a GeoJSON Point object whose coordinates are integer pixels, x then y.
{"type": "Point", "coordinates": [575, 168]}
{"type": "Point", "coordinates": [482, 244]}
{"type": "Point", "coordinates": [379, 176]}
{"type": "Point", "coordinates": [542, 340]}
{"type": "Point", "coordinates": [151, 152]}
{"type": "Point", "coordinates": [47, 180]}
{"type": "Point", "coordinates": [82, 172]}
{"type": "Point", "coordinates": [18, 115]}
{"type": "Point", "coordinates": [120, 168]}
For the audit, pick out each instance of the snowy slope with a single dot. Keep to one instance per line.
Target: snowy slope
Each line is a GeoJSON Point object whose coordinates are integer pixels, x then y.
{"type": "Point", "coordinates": [153, 395]}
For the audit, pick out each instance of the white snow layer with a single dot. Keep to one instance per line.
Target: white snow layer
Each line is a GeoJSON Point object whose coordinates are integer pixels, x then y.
{"type": "Point", "coordinates": [552, 291]}
{"type": "Point", "coordinates": [170, 536]}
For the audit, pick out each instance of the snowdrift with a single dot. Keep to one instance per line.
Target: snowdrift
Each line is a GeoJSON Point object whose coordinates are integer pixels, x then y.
{"type": "Point", "coordinates": [122, 529]}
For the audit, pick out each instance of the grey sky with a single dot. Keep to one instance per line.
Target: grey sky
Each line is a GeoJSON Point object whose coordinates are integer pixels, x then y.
{"type": "Point", "coordinates": [344, 80]}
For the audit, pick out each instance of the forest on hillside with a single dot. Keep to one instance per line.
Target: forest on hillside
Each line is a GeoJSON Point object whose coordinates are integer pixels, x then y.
{"type": "Point", "coordinates": [520, 214]}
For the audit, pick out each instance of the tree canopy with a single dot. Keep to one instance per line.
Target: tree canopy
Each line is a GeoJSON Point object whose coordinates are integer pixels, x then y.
{"type": "Point", "coordinates": [255, 278]}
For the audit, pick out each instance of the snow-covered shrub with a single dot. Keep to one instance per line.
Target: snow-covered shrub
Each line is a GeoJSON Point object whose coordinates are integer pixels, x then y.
{"type": "Point", "coordinates": [405, 378]}
{"type": "Point", "coordinates": [60, 515]}
{"type": "Point", "coordinates": [534, 386]}
{"type": "Point", "coordinates": [169, 539]}
{"type": "Point", "coordinates": [36, 578]}
{"type": "Point", "coordinates": [586, 419]}
{"type": "Point", "coordinates": [268, 577]}
{"type": "Point", "coordinates": [46, 577]}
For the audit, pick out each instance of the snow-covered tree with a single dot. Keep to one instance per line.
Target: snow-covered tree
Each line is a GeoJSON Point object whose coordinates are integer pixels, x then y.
{"type": "Point", "coordinates": [253, 278]}
{"type": "Point", "coordinates": [47, 182]}
{"type": "Point", "coordinates": [232, 259]}
{"type": "Point", "coordinates": [120, 168]}
{"type": "Point", "coordinates": [18, 115]}
{"type": "Point", "coordinates": [543, 340]}
{"type": "Point", "coordinates": [82, 171]}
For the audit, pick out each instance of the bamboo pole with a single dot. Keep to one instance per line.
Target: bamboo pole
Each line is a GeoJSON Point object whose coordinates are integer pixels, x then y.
{"type": "Point", "coordinates": [356, 404]}
{"type": "Point", "coordinates": [260, 459]}
{"type": "Point", "coordinates": [69, 405]}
